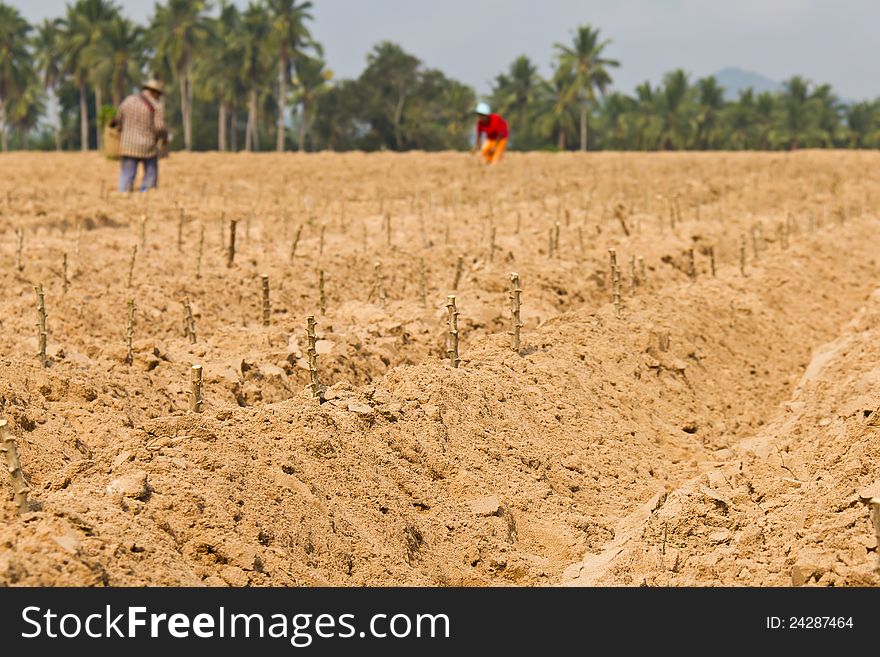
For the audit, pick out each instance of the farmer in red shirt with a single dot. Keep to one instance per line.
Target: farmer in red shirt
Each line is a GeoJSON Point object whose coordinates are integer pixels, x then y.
{"type": "Point", "coordinates": [495, 129]}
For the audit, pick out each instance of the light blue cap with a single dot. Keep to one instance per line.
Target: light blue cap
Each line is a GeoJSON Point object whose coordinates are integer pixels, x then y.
{"type": "Point", "coordinates": [483, 108]}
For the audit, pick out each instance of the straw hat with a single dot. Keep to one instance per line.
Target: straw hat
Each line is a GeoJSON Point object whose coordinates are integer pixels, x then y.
{"type": "Point", "coordinates": [153, 84]}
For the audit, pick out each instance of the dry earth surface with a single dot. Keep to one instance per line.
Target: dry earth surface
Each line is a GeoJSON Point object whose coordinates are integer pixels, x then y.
{"type": "Point", "coordinates": [736, 456]}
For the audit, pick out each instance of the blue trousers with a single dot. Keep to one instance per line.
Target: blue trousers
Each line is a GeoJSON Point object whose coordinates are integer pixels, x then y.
{"type": "Point", "coordinates": [128, 172]}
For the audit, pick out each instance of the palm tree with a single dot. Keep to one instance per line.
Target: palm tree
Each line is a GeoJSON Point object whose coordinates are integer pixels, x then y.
{"type": "Point", "coordinates": [48, 57]}
{"type": "Point", "coordinates": [219, 71]}
{"type": "Point", "coordinates": [515, 93]}
{"type": "Point", "coordinates": [618, 121]}
{"type": "Point", "coordinates": [81, 29]}
{"type": "Point", "coordinates": [863, 125]}
{"type": "Point", "coordinates": [671, 127]}
{"type": "Point", "coordinates": [796, 115]}
{"type": "Point", "coordinates": [28, 106]}
{"type": "Point", "coordinates": [118, 57]}
{"type": "Point", "coordinates": [290, 37]}
{"type": "Point", "coordinates": [827, 108]}
{"type": "Point", "coordinates": [177, 29]}
{"type": "Point", "coordinates": [554, 111]}
{"type": "Point", "coordinates": [14, 57]}
{"type": "Point", "coordinates": [311, 83]}
{"type": "Point", "coordinates": [739, 119]}
{"type": "Point", "coordinates": [765, 119]}
{"type": "Point", "coordinates": [644, 110]}
{"type": "Point", "coordinates": [256, 28]}
{"type": "Point", "coordinates": [589, 71]}
{"type": "Point", "coordinates": [710, 102]}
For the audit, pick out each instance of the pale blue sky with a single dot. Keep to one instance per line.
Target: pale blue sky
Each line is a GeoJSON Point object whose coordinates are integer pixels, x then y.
{"type": "Point", "coordinates": [473, 40]}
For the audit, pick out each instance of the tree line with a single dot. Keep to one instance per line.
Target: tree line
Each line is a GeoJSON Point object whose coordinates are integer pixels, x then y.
{"type": "Point", "coordinates": [256, 79]}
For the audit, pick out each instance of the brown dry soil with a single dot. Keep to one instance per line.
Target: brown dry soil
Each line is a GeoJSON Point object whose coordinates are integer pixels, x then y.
{"type": "Point", "coordinates": [591, 456]}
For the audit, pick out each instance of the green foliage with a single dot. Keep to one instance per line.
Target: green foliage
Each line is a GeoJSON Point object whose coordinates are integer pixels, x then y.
{"type": "Point", "coordinates": [106, 115]}
{"type": "Point", "coordinates": [255, 73]}
{"type": "Point", "coordinates": [515, 95]}
{"type": "Point", "coordinates": [586, 70]}
{"type": "Point", "coordinates": [395, 104]}
{"type": "Point", "coordinates": [16, 72]}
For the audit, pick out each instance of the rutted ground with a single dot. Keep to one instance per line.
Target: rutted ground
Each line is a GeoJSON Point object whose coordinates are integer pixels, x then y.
{"type": "Point", "coordinates": [507, 470]}
{"type": "Point", "coordinates": [784, 507]}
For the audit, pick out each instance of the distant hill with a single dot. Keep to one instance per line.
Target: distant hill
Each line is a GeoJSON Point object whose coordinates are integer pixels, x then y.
{"type": "Point", "coordinates": [735, 80]}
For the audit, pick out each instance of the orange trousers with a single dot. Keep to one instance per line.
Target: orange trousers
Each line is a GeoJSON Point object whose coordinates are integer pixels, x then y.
{"type": "Point", "coordinates": [493, 149]}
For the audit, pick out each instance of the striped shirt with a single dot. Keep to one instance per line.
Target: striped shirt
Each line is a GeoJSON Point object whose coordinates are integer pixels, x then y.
{"type": "Point", "coordinates": [141, 127]}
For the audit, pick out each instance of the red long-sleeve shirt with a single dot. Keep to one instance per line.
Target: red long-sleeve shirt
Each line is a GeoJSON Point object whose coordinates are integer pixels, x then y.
{"type": "Point", "coordinates": [494, 127]}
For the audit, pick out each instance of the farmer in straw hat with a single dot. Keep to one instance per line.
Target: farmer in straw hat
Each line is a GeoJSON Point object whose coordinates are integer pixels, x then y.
{"type": "Point", "coordinates": [143, 132]}
{"type": "Point", "coordinates": [495, 129]}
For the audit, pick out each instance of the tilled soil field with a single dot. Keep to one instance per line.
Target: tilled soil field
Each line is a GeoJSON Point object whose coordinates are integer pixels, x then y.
{"type": "Point", "coordinates": [716, 426]}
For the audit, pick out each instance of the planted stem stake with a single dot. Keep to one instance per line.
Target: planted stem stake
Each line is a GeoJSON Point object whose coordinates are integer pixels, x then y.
{"type": "Point", "coordinates": [515, 306]}
{"type": "Point", "coordinates": [492, 244]}
{"type": "Point", "coordinates": [643, 272]}
{"type": "Point", "coordinates": [41, 325]}
{"type": "Point", "coordinates": [712, 260]}
{"type": "Point", "coordinates": [65, 281]}
{"type": "Point", "coordinates": [321, 242]}
{"type": "Point", "coordinates": [615, 281]}
{"type": "Point", "coordinates": [180, 221]}
{"type": "Point", "coordinates": [201, 251]}
{"type": "Point", "coordinates": [742, 256]}
{"type": "Point", "coordinates": [189, 322]}
{"type": "Point", "coordinates": [295, 242]}
{"type": "Point", "coordinates": [615, 290]}
{"type": "Point", "coordinates": [423, 282]}
{"type": "Point", "coordinates": [422, 230]}
{"type": "Point", "coordinates": [452, 350]}
{"type": "Point", "coordinates": [755, 250]}
{"type": "Point", "coordinates": [266, 308]}
{"type": "Point", "coordinates": [134, 251]}
{"type": "Point", "coordinates": [143, 233]}
{"type": "Point", "coordinates": [378, 289]}
{"type": "Point", "coordinates": [633, 275]}
{"type": "Point", "coordinates": [556, 239]}
{"type": "Point", "coordinates": [195, 396]}
{"type": "Point", "coordinates": [313, 355]}
{"type": "Point", "coordinates": [20, 488]}
{"type": "Point", "coordinates": [387, 221]}
{"type": "Point", "coordinates": [18, 262]}
{"type": "Point", "coordinates": [692, 265]}
{"type": "Point", "coordinates": [230, 252]}
{"type": "Point", "coordinates": [322, 298]}
{"type": "Point", "coordinates": [620, 213]}
{"type": "Point", "coordinates": [663, 340]}
{"type": "Point", "coordinates": [129, 334]}
{"type": "Point", "coordinates": [459, 267]}
{"type": "Point", "coordinates": [550, 243]}
{"type": "Point", "coordinates": [581, 239]}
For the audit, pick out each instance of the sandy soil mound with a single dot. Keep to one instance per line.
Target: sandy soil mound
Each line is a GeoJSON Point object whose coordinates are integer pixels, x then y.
{"type": "Point", "coordinates": [784, 507]}
{"type": "Point", "coordinates": [591, 456]}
